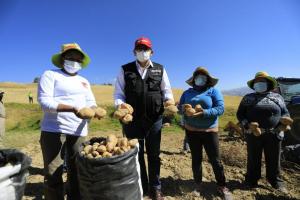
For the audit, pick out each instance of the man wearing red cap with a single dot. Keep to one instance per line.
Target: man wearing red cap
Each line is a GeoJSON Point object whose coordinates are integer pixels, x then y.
{"type": "Point", "coordinates": [145, 86]}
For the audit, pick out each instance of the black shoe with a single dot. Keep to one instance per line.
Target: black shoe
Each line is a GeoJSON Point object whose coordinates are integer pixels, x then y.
{"type": "Point", "coordinates": [156, 195]}
{"type": "Point", "coordinates": [282, 189]}
{"type": "Point", "coordinates": [250, 185]}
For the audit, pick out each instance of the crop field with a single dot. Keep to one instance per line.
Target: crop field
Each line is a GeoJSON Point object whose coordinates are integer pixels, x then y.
{"type": "Point", "coordinates": [23, 130]}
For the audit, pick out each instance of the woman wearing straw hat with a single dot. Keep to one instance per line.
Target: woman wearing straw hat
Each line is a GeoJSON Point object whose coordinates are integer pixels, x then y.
{"type": "Point", "coordinates": [62, 94]}
{"type": "Point", "coordinates": [202, 126]}
{"type": "Point", "coordinates": [264, 117]}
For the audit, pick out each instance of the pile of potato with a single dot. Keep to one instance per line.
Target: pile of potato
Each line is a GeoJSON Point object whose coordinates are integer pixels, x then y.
{"type": "Point", "coordinates": [170, 108]}
{"type": "Point", "coordinates": [108, 147]}
{"type": "Point", "coordinates": [189, 111]}
{"type": "Point", "coordinates": [124, 113]}
{"type": "Point", "coordinates": [88, 113]}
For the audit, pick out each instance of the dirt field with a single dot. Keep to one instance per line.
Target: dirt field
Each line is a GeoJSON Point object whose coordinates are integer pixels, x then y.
{"type": "Point", "coordinates": [176, 174]}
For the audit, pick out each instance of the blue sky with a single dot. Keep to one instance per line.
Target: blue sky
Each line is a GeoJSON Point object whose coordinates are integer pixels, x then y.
{"type": "Point", "coordinates": [233, 38]}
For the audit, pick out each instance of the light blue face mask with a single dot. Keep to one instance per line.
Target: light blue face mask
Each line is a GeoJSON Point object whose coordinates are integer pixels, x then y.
{"type": "Point", "coordinates": [200, 80]}
{"type": "Point", "coordinates": [260, 87]}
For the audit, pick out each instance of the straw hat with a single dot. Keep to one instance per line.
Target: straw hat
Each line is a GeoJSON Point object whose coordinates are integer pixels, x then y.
{"type": "Point", "coordinates": [264, 75]}
{"type": "Point", "coordinates": [211, 81]}
{"type": "Point", "coordinates": [56, 58]}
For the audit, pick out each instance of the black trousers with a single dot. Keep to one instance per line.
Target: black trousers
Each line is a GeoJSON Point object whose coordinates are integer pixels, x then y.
{"type": "Point", "coordinates": [271, 145]}
{"type": "Point", "coordinates": [54, 146]}
{"type": "Point", "coordinates": [149, 138]}
{"type": "Point", "coordinates": [210, 141]}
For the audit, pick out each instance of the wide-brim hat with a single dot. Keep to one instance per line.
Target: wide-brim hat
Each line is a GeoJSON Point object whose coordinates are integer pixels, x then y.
{"type": "Point", "coordinates": [211, 81]}
{"type": "Point", "coordinates": [56, 58]}
{"type": "Point", "coordinates": [264, 75]}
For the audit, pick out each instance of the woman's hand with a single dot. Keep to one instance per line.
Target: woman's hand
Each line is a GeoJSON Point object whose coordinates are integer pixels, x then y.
{"type": "Point", "coordinates": [85, 113]}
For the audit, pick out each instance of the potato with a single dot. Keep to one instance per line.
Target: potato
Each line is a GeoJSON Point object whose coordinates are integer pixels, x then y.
{"type": "Point", "coordinates": [111, 142]}
{"type": "Point", "coordinates": [89, 156]}
{"type": "Point", "coordinates": [82, 153]}
{"type": "Point", "coordinates": [86, 113]}
{"type": "Point", "coordinates": [95, 153]}
{"type": "Point", "coordinates": [190, 112]}
{"type": "Point", "coordinates": [100, 113]}
{"type": "Point", "coordinates": [127, 119]}
{"type": "Point", "coordinates": [170, 110]}
{"type": "Point", "coordinates": [119, 151]}
{"type": "Point", "coordinates": [256, 132]}
{"type": "Point", "coordinates": [98, 156]}
{"type": "Point", "coordinates": [120, 113]}
{"type": "Point", "coordinates": [96, 143]}
{"type": "Point", "coordinates": [198, 108]}
{"type": "Point", "coordinates": [123, 142]}
{"type": "Point", "coordinates": [284, 128]}
{"type": "Point", "coordinates": [169, 103]}
{"type": "Point", "coordinates": [125, 149]}
{"type": "Point", "coordinates": [106, 155]}
{"type": "Point", "coordinates": [116, 149]}
{"type": "Point", "coordinates": [253, 125]}
{"type": "Point", "coordinates": [94, 147]}
{"type": "Point", "coordinates": [87, 149]}
{"type": "Point", "coordinates": [186, 106]}
{"type": "Point", "coordinates": [101, 148]}
{"type": "Point", "coordinates": [133, 142]}
{"type": "Point", "coordinates": [127, 106]}
{"type": "Point", "coordinates": [286, 121]}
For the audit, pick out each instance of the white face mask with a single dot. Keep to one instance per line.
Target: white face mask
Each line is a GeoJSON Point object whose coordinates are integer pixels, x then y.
{"type": "Point", "coordinates": [260, 87]}
{"type": "Point", "coordinates": [200, 80]}
{"type": "Point", "coordinates": [72, 67]}
{"type": "Point", "coordinates": [143, 56]}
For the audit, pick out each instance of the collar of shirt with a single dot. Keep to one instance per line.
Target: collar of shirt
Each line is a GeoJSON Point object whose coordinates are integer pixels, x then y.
{"type": "Point", "coordinates": [143, 70]}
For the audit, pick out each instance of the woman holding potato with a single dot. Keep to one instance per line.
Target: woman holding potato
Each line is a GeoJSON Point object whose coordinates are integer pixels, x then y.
{"type": "Point", "coordinates": [67, 102]}
{"type": "Point", "coordinates": [264, 117]}
{"type": "Point", "coordinates": [201, 106]}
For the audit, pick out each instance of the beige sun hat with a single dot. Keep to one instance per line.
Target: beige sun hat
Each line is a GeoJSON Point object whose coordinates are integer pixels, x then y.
{"type": "Point", "coordinates": [211, 81]}
{"type": "Point", "coordinates": [56, 58]}
{"type": "Point", "coordinates": [263, 75]}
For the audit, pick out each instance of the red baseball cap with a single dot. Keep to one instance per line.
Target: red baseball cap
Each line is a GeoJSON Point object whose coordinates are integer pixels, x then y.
{"type": "Point", "coordinates": [143, 41]}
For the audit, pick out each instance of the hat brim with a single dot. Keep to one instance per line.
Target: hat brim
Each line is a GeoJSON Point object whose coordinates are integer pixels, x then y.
{"type": "Point", "coordinates": [57, 57]}
{"type": "Point", "coordinates": [212, 81]}
{"type": "Point", "coordinates": [269, 78]}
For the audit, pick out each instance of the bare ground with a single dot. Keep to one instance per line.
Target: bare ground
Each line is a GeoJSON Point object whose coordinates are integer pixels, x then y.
{"type": "Point", "coordinates": [176, 173]}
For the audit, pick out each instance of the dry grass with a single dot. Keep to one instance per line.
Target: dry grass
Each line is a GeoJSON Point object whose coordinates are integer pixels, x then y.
{"type": "Point", "coordinates": [18, 93]}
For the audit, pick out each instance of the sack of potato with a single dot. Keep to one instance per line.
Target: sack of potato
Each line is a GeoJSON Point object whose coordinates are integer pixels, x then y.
{"type": "Point", "coordinates": [108, 169]}
{"type": "Point", "coordinates": [124, 113]}
{"type": "Point", "coordinates": [105, 148]}
{"type": "Point", "coordinates": [13, 173]}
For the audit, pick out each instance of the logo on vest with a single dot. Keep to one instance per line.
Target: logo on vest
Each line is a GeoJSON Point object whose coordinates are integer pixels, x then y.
{"type": "Point", "coordinates": [155, 71]}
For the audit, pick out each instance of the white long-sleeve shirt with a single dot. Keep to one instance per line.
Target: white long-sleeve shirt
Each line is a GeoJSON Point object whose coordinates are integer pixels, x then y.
{"type": "Point", "coordinates": [119, 93]}
{"type": "Point", "coordinates": [56, 87]}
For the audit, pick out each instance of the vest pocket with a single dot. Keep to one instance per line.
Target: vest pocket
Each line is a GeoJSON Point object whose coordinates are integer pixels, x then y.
{"type": "Point", "coordinates": [154, 83]}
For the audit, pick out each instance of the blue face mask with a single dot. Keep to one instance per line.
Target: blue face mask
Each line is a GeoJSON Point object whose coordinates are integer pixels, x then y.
{"type": "Point", "coordinates": [260, 87]}
{"type": "Point", "coordinates": [200, 80]}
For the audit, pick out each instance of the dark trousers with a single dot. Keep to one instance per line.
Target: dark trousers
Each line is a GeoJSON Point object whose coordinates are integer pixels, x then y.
{"type": "Point", "coordinates": [149, 138]}
{"type": "Point", "coordinates": [210, 141]}
{"type": "Point", "coordinates": [54, 146]}
{"type": "Point", "coordinates": [271, 145]}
